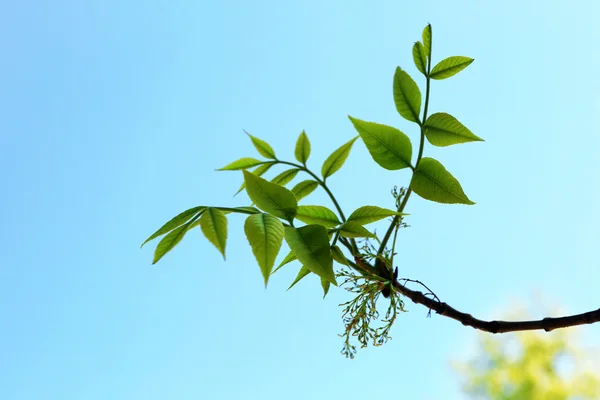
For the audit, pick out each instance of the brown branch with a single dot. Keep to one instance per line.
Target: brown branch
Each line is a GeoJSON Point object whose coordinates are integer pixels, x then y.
{"type": "Point", "coordinates": [546, 324]}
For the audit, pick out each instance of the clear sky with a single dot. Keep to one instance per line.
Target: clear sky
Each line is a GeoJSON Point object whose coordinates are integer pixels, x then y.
{"type": "Point", "coordinates": [115, 114]}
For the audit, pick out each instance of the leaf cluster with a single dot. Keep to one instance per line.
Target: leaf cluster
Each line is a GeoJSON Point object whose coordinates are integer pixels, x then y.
{"type": "Point", "coordinates": [319, 236]}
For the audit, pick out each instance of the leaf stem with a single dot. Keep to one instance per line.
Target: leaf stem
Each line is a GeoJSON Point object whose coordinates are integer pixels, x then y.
{"type": "Point", "coordinates": [320, 182]}
{"type": "Point", "coordinates": [394, 244]}
{"type": "Point", "coordinates": [396, 219]}
{"type": "Point", "coordinates": [354, 247]}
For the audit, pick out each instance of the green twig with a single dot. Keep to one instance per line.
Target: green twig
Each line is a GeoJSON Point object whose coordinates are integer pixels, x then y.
{"type": "Point", "coordinates": [353, 249]}
{"type": "Point", "coordinates": [396, 219]}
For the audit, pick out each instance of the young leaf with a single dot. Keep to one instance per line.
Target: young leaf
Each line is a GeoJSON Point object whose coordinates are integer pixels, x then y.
{"type": "Point", "coordinates": [427, 40]}
{"type": "Point", "coordinates": [301, 274]}
{"type": "Point", "coordinates": [265, 235]}
{"type": "Point", "coordinates": [270, 197]}
{"type": "Point", "coordinates": [288, 259]}
{"type": "Point", "coordinates": [433, 182]}
{"type": "Point", "coordinates": [302, 151]}
{"type": "Point", "coordinates": [317, 215]}
{"type": "Point", "coordinates": [338, 256]}
{"type": "Point", "coordinates": [325, 284]}
{"type": "Point", "coordinates": [449, 67]}
{"type": "Point", "coordinates": [258, 171]}
{"type": "Point", "coordinates": [168, 242]}
{"type": "Point", "coordinates": [407, 96]}
{"type": "Point", "coordinates": [214, 226]}
{"type": "Point", "coordinates": [242, 163]}
{"type": "Point", "coordinates": [285, 177]}
{"type": "Point", "coordinates": [263, 147]}
{"type": "Point", "coordinates": [443, 129]}
{"type": "Point", "coordinates": [367, 214]}
{"type": "Point", "coordinates": [304, 188]}
{"type": "Point", "coordinates": [354, 230]}
{"type": "Point", "coordinates": [310, 244]}
{"type": "Point", "coordinates": [420, 57]}
{"type": "Point", "coordinates": [335, 161]}
{"type": "Point", "coordinates": [176, 221]}
{"type": "Point", "coordinates": [389, 147]}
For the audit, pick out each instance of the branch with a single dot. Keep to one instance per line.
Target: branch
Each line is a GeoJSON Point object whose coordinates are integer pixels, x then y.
{"type": "Point", "coordinates": [548, 324]}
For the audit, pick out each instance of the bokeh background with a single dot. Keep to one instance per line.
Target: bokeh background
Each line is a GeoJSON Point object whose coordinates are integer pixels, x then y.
{"type": "Point", "coordinates": [115, 114]}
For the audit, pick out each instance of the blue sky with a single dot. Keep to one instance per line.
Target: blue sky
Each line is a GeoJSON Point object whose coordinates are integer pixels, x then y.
{"type": "Point", "coordinates": [115, 114]}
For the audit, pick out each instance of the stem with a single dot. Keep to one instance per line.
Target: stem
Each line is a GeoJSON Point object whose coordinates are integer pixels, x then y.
{"type": "Point", "coordinates": [386, 238]}
{"type": "Point", "coordinates": [354, 248]}
{"type": "Point", "coordinates": [335, 238]}
{"type": "Point", "coordinates": [394, 245]}
{"type": "Point", "coordinates": [320, 182]}
{"type": "Point", "coordinates": [346, 243]}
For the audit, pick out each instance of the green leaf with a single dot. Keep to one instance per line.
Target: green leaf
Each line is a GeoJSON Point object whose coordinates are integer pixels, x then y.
{"type": "Point", "coordinates": [310, 244]}
{"type": "Point", "coordinates": [270, 197]}
{"type": "Point", "coordinates": [433, 182]}
{"type": "Point", "coordinates": [389, 147]}
{"type": "Point", "coordinates": [354, 229]}
{"type": "Point", "coordinates": [304, 188]}
{"type": "Point", "coordinates": [420, 57]}
{"type": "Point", "coordinates": [242, 163]}
{"type": "Point", "coordinates": [367, 214]}
{"type": "Point", "coordinates": [325, 284]}
{"type": "Point", "coordinates": [427, 40]}
{"type": "Point", "coordinates": [335, 161]}
{"type": "Point", "coordinates": [449, 67]}
{"type": "Point", "coordinates": [258, 171]}
{"type": "Point", "coordinates": [338, 256]}
{"type": "Point", "coordinates": [214, 226]}
{"type": "Point", "coordinates": [317, 215]}
{"type": "Point", "coordinates": [443, 129]}
{"type": "Point", "coordinates": [194, 225]}
{"type": "Point", "coordinates": [168, 242]}
{"type": "Point", "coordinates": [263, 147]}
{"type": "Point", "coordinates": [301, 274]}
{"type": "Point", "coordinates": [240, 210]}
{"type": "Point", "coordinates": [285, 177]}
{"type": "Point", "coordinates": [407, 96]}
{"type": "Point", "coordinates": [265, 235]}
{"type": "Point", "coordinates": [302, 151]}
{"type": "Point", "coordinates": [176, 221]}
{"type": "Point", "coordinates": [288, 259]}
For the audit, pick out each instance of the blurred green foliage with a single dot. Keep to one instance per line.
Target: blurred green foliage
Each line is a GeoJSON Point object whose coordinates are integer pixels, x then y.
{"type": "Point", "coordinates": [531, 366]}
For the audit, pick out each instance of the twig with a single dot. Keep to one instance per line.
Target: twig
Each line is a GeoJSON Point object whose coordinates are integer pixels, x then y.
{"type": "Point", "coordinates": [548, 324]}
